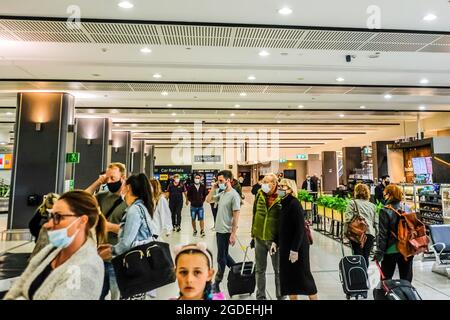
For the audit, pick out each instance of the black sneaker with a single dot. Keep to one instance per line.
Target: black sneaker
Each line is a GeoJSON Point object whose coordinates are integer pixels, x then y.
{"type": "Point", "coordinates": [178, 229]}
{"type": "Point", "coordinates": [202, 233]}
{"type": "Point", "coordinates": [195, 233]}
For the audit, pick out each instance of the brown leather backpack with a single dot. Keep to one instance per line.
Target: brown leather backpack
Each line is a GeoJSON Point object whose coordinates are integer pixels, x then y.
{"type": "Point", "coordinates": [357, 228]}
{"type": "Point", "coordinates": [411, 234]}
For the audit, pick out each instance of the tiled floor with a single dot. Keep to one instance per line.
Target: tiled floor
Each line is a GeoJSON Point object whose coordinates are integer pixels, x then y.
{"type": "Point", "coordinates": [325, 255]}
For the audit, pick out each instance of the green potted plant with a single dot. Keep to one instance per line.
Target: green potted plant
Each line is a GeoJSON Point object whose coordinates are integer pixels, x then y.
{"type": "Point", "coordinates": [339, 206]}
{"type": "Point", "coordinates": [306, 199]}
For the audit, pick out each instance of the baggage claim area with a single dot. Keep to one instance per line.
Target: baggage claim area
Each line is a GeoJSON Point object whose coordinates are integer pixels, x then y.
{"type": "Point", "coordinates": [264, 150]}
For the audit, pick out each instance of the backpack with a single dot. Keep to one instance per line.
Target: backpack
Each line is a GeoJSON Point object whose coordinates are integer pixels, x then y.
{"type": "Point", "coordinates": [411, 234]}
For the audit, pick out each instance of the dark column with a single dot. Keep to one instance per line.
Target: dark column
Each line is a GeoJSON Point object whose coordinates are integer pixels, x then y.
{"type": "Point", "coordinates": [121, 148]}
{"type": "Point", "coordinates": [149, 160]}
{"type": "Point", "coordinates": [138, 157]}
{"type": "Point", "coordinates": [380, 159]}
{"type": "Point", "coordinates": [42, 139]}
{"type": "Point", "coordinates": [92, 142]}
{"type": "Point", "coordinates": [329, 171]}
{"type": "Point", "coordinates": [351, 157]}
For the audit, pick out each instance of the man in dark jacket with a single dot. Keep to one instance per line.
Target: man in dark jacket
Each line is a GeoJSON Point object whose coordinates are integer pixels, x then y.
{"type": "Point", "coordinates": [309, 184]}
{"type": "Point", "coordinates": [257, 186]}
{"type": "Point", "coordinates": [385, 181]}
{"type": "Point", "coordinates": [196, 195]}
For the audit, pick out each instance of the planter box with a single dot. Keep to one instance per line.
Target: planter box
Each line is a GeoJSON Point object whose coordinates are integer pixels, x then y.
{"type": "Point", "coordinates": [337, 215]}
{"type": "Point", "coordinates": [307, 205]}
{"type": "Point", "coordinates": [329, 213]}
{"type": "Point", "coordinates": [320, 210]}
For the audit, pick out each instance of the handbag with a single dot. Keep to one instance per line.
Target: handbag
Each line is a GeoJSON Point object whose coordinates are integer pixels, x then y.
{"type": "Point", "coordinates": [144, 267]}
{"type": "Point", "coordinates": [357, 228]}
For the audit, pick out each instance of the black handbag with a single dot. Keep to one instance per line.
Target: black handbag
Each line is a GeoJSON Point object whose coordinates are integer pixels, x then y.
{"type": "Point", "coordinates": [144, 267]}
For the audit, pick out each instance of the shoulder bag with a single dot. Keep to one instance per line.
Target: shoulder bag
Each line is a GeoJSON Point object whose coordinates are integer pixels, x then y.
{"type": "Point", "coordinates": [357, 228]}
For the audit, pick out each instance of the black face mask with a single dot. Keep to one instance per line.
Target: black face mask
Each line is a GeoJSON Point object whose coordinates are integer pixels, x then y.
{"type": "Point", "coordinates": [386, 183]}
{"type": "Point", "coordinates": [114, 186]}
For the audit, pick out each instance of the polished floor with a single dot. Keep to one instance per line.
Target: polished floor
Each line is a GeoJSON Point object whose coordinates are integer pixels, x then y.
{"type": "Point", "coordinates": [325, 255]}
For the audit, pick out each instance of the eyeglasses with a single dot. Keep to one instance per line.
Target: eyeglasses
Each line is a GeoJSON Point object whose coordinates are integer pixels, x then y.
{"type": "Point", "coordinates": [56, 217]}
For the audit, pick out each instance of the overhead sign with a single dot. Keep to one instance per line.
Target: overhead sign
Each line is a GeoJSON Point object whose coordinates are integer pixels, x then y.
{"type": "Point", "coordinates": [302, 156]}
{"type": "Point", "coordinates": [282, 160]}
{"type": "Point", "coordinates": [205, 158]}
{"type": "Point", "coordinates": [73, 157]}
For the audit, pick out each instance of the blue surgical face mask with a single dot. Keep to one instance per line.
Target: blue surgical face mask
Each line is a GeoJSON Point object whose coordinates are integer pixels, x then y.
{"type": "Point", "coordinates": [222, 186]}
{"type": "Point", "coordinates": [282, 193]}
{"type": "Point", "coordinates": [265, 187]}
{"type": "Point", "coordinates": [59, 238]}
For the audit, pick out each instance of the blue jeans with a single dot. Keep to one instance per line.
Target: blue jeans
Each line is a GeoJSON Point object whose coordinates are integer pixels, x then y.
{"type": "Point", "coordinates": [110, 283]}
{"type": "Point", "coordinates": [197, 213]}
{"type": "Point", "coordinates": [223, 257]}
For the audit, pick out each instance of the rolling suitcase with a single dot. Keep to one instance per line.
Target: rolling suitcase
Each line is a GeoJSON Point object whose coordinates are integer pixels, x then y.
{"type": "Point", "coordinates": [353, 276]}
{"type": "Point", "coordinates": [394, 289]}
{"type": "Point", "coordinates": [241, 278]}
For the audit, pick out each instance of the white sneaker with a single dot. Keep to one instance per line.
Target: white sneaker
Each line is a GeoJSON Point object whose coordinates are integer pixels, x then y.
{"type": "Point", "coordinates": [151, 294]}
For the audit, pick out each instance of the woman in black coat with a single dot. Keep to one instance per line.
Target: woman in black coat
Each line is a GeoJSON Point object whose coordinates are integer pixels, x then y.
{"type": "Point", "coordinates": [295, 272]}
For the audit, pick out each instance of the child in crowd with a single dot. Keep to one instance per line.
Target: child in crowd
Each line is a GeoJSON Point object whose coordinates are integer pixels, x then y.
{"type": "Point", "coordinates": [194, 272]}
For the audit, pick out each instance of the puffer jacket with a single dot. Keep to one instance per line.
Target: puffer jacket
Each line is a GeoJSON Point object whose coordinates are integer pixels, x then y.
{"type": "Point", "coordinates": [265, 220]}
{"type": "Point", "coordinates": [387, 225]}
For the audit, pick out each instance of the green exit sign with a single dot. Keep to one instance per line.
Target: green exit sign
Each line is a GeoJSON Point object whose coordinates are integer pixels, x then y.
{"type": "Point", "coordinates": [73, 157]}
{"type": "Point", "coordinates": [282, 160]}
{"type": "Point", "coordinates": [302, 156]}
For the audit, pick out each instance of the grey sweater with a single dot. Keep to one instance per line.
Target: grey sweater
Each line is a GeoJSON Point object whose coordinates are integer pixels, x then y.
{"type": "Point", "coordinates": [79, 278]}
{"type": "Point", "coordinates": [367, 210]}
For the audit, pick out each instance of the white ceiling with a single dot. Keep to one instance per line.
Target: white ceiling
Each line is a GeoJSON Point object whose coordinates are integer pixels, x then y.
{"type": "Point", "coordinates": [109, 61]}
{"type": "Point", "coordinates": [398, 14]}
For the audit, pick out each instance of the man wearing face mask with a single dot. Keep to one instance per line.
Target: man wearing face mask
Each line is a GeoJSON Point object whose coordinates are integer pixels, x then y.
{"type": "Point", "coordinates": [309, 184]}
{"type": "Point", "coordinates": [196, 195]}
{"type": "Point", "coordinates": [266, 212]}
{"type": "Point", "coordinates": [113, 208]}
{"type": "Point", "coordinates": [228, 210]}
{"type": "Point", "coordinates": [379, 189]}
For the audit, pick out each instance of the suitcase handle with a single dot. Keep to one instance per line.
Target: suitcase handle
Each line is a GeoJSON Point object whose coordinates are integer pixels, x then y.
{"type": "Point", "coordinates": [379, 269]}
{"type": "Point", "coordinates": [245, 259]}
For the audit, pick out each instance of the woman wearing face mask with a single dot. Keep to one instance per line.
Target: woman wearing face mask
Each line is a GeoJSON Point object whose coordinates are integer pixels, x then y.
{"type": "Point", "coordinates": [69, 268]}
{"type": "Point", "coordinates": [135, 225]}
{"type": "Point", "coordinates": [295, 271]}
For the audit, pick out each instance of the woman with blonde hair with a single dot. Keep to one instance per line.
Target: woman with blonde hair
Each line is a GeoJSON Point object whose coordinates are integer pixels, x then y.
{"type": "Point", "coordinates": [162, 216]}
{"type": "Point", "coordinates": [361, 206]}
{"type": "Point", "coordinates": [295, 271]}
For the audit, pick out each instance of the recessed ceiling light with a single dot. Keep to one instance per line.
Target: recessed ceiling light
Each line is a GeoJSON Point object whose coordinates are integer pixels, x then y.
{"type": "Point", "coordinates": [232, 114]}
{"type": "Point", "coordinates": [164, 93]}
{"type": "Point", "coordinates": [422, 107]}
{"type": "Point", "coordinates": [90, 111]}
{"type": "Point", "coordinates": [264, 53]}
{"type": "Point", "coordinates": [340, 79]}
{"type": "Point", "coordinates": [251, 78]}
{"type": "Point", "coordinates": [169, 105]}
{"type": "Point", "coordinates": [126, 4]}
{"type": "Point", "coordinates": [429, 17]}
{"type": "Point", "coordinates": [177, 120]}
{"type": "Point", "coordinates": [341, 115]}
{"type": "Point", "coordinates": [243, 94]}
{"type": "Point", "coordinates": [387, 96]}
{"type": "Point", "coordinates": [116, 124]}
{"type": "Point", "coordinates": [278, 121]}
{"type": "Point", "coordinates": [285, 11]}
{"type": "Point", "coordinates": [173, 114]}
{"type": "Point", "coordinates": [237, 105]}
{"type": "Point", "coordinates": [9, 113]}
{"type": "Point", "coordinates": [157, 75]}
{"type": "Point", "coordinates": [300, 106]}
{"type": "Point", "coordinates": [362, 107]}
{"type": "Point", "coordinates": [114, 111]}
{"type": "Point", "coordinates": [134, 125]}
{"type": "Point", "coordinates": [424, 81]}
{"type": "Point", "coordinates": [146, 50]}
{"type": "Point", "coordinates": [228, 121]}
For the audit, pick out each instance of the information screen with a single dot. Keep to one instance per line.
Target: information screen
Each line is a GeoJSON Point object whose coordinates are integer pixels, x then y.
{"type": "Point", "coordinates": [419, 166]}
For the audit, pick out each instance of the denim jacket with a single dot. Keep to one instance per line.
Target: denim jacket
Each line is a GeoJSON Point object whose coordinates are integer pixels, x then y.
{"type": "Point", "coordinates": [134, 230]}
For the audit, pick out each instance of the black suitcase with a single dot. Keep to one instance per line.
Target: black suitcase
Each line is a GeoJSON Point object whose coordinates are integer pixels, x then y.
{"type": "Point", "coordinates": [354, 277]}
{"type": "Point", "coordinates": [397, 289]}
{"type": "Point", "coordinates": [241, 278]}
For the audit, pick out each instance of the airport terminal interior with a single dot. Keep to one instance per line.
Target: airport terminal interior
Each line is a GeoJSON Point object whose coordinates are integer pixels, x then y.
{"type": "Point", "coordinates": [329, 94]}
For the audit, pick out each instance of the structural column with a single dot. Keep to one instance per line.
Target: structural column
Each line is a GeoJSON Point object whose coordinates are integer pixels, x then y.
{"type": "Point", "coordinates": [42, 140]}
{"type": "Point", "coordinates": [121, 148]}
{"type": "Point", "coordinates": [138, 156]}
{"type": "Point", "coordinates": [149, 160]}
{"type": "Point", "coordinates": [351, 158]}
{"type": "Point", "coordinates": [380, 158]}
{"type": "Point", "coordinates": [329, 171]}
{"type": "Point", "coordinates": [92, 143]}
